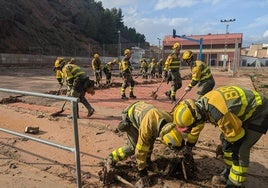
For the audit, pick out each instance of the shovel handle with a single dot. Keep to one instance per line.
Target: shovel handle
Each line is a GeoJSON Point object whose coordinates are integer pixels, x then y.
{"type": "Point", "coordinates": [119, 178]}
{"type": "Point", "coordinates": [62, 108]}
{"type": "Point", "coordinates": [176, 104]}
{"type": "Point", "coordinates": [159, 85]}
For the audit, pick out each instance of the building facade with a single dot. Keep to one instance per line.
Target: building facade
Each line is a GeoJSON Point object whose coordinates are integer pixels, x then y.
{"type": "Point", "coordinates": [217, 49]}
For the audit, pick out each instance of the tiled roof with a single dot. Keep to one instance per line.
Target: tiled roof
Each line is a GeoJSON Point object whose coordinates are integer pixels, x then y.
{"type": "Point", "coordinates": [207, 39]}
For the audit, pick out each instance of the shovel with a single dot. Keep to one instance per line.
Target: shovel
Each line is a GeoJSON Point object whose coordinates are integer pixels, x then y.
{"type": "Point", "coordinates": [59, 112]}
{"type": "Point", "coordinates": [154, 95]}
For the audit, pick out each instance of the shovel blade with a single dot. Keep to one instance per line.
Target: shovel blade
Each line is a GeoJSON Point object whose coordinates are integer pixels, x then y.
{"type": "Point", "coordinates": [57, 113]}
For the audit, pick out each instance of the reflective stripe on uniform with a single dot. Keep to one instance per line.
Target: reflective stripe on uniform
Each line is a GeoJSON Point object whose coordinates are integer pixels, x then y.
{"type": "Point", "coordinates": [258, 101]}
{"type": "Point", "coordinates": [244, 102]}
{"type": "Point", "coordinates": [238, 174]}
{"type": "Point", "coordinates": [118, 154]}
{"type": "Point", "coordinates": [142, 148]}
{"type": "Point", "coordinates": [227, 158]}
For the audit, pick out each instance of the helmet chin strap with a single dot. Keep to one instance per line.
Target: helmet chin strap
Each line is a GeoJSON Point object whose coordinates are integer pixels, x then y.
{"type": "Point", "coordinates": [202, 107]}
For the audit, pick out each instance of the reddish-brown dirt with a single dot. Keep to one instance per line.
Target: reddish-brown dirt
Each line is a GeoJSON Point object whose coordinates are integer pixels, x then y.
{"type": "Point", "coordinates": [26, 163]}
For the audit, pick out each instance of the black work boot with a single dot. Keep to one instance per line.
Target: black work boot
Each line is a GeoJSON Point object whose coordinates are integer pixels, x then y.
{"type": "Point", "coordinates": [124, 97]}
{"type": "Point", "coordinates": [131, 95]}
{"type": "Point", "coordinates": [230, 184]}
{"type": "Point", "coordinates": [167, 93]}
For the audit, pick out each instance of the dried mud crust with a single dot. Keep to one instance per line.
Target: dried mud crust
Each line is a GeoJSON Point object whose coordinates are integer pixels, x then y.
{"type": "Point", "coordinates": [98, 136]}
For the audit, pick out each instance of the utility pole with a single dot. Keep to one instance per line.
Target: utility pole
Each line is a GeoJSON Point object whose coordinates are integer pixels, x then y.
{"type": "Point", "coordinates": [225, 58]}
{"type": "Point", "coordinates": [159, 51]}
{"type": "Point", "coordinates": [119, 45]}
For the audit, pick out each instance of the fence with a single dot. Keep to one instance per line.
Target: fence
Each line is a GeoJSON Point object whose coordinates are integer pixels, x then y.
{"type": "Point", "coordinates": [76, 149]}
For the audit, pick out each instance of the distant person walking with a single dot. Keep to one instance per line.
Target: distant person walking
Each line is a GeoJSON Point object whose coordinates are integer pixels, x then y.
{"type": "Point", "coordinates": [257, 64]}
{"type": "Point", "coordinates": [125, 68]}
{"type": "Point", "coordinates": [172, 71]}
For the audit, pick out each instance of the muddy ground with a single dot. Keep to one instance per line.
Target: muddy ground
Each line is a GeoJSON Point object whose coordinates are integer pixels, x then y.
{"type": "Point", "coordinates": [26, 163]}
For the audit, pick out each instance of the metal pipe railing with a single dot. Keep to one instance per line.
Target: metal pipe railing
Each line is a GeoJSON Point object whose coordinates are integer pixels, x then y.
{"type": "Point", "coordinates": [76, 149]}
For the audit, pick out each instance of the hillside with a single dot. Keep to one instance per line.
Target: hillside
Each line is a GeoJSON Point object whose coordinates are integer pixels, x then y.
{"type": "Point", "coordinates": [57, 26]}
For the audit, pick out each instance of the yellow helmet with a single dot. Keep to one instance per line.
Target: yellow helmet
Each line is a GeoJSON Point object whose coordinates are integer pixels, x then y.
{"type": "Point", "coordinates": [186, 113]}
{"type": "Point", "coordinates": [58, 63]}
{"type": "Point", "coordinates": [96, 55]}
{"type": "Point", "coordinates": [173, 138]}
{"type": "Point", "coordinates": [176, 45]}
{"type": "Point", "coordinates": [187, 55]}
{"type": "Point", "coordinates": [127, 51]}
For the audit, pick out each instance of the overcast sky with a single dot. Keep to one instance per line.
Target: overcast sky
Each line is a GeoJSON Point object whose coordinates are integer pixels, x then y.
{"type": "Point", "coordinates": [157, 18]}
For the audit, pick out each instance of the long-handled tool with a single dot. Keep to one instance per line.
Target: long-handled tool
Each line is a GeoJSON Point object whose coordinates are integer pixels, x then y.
{"type": "Point", "coordinates": [153, 94]}
{"type": "Point", "coordinates": [178, 101]}
{"type": "Point", "coordinates": [59, 90]}
{"type": "Point", "coordinates": [59, 112]}
{"type": "Point", "coordinates": [124, 181]}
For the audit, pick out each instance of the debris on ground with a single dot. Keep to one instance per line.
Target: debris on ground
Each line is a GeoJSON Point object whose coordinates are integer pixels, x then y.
{"type": "Point", "coordinates": [180, 166]}
{"type": "Point", "coordinates": [32, 130]}
{"type": "Point", "coordinates": [11, 99]}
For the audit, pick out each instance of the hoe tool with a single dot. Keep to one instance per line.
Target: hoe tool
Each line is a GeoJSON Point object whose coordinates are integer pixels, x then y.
{"type": "Point", "coordinates": [154, 95]}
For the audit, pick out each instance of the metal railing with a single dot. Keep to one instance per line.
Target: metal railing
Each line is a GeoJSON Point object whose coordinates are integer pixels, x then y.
{"type": "Point", "coordinates": [76, 149]}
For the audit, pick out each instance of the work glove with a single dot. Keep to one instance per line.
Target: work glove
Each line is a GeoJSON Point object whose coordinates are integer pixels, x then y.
{"type": "Point", "coordinates": [187, 89]}
{"type": "Point", "coordinates": [144, 180]}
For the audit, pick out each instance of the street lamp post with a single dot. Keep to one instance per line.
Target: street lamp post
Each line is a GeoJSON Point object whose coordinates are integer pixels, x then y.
{"type": "Point", "coordinates": [159, 48]}
{"type": "Point", "coordinates": [225, 43]}
{"type": "Point", "coordinates": [119, 44]}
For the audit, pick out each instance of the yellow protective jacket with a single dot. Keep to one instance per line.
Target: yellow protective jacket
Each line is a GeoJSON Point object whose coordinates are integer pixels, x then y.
{"type": "Point", "coordinates": [96, 64]}
{"type": "Point", "coordinates": [144, 65]}
{"type": "Point", "coordinates": [200, 72]}
{"type": "Point", "coordinates": [125, 65]}
{"type": "Point", "coordinates": [173, 62]}
{"type": "Point", "coordinates": [228, 107]}
{"type": "Point", "coordinates": [59, 76]}
{"type": "Point", "coordinates": [148, 121]}
{"type": "Point", "coordinates": [72, 71]}
{"type": "Point", "coordinates": [109, 66]}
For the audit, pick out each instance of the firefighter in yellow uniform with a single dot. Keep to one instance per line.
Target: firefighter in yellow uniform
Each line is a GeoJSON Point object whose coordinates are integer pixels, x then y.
{"type": "Point", "coordinates": [172, 71]}
{"type": "Point", "coordinates": [77, 81]}
{"type": "Point", "coordinates": [144, 68]}
{"type": "Point", "coordinates": [143, 123]}
{"type": "Point", "coordinates": [159, 68]}
{"type": "Point", "coordinates": [125, 68]}
{"type": "Point", "coordinates": [242, 117]}
{"type": "Point", "coordinates": [58, 72]}
{"type": "Point", "coordinates": [107, 69]}
{"type": "Point", "coordinates": [152, 66]}
{"type": "Point", "coordinates": [201, 75]}
{"type": "Point", "coordinates": [97, 68]}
